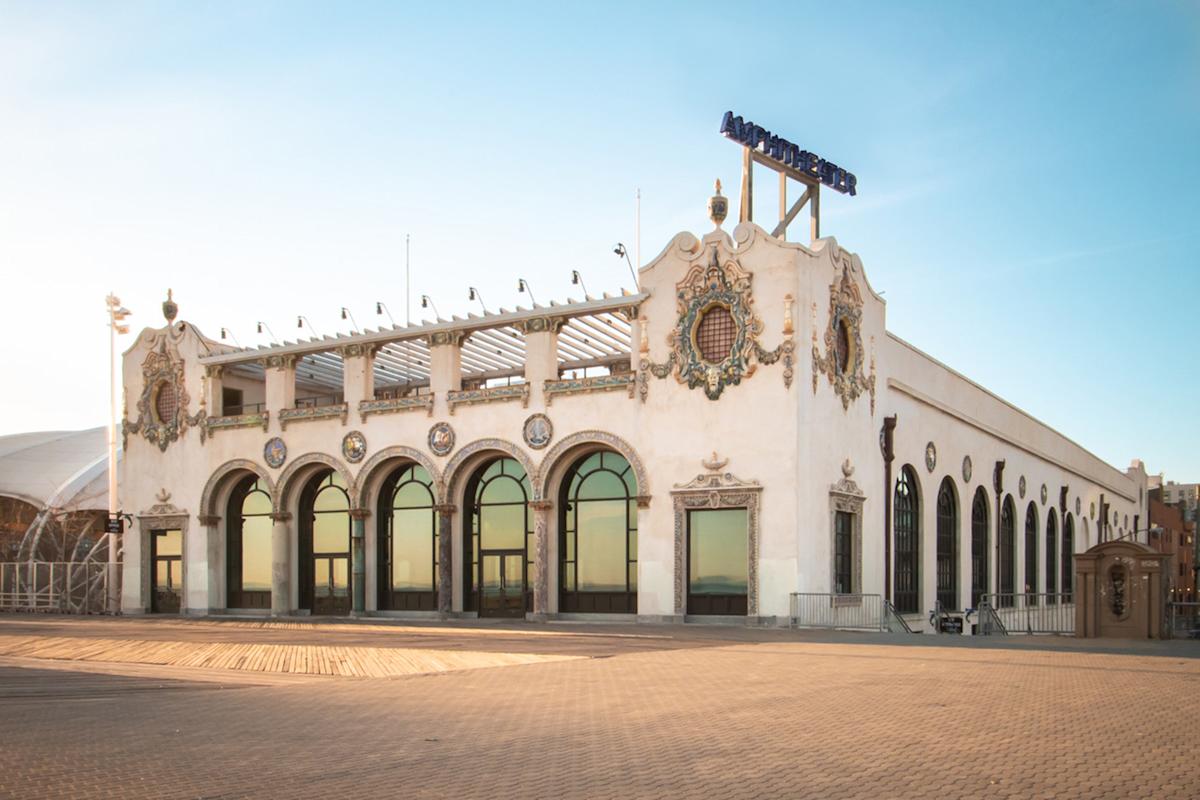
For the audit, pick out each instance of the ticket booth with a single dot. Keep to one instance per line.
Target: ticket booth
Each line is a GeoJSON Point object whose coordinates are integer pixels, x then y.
{"type": "Point", "coordinates": [1121, 591]}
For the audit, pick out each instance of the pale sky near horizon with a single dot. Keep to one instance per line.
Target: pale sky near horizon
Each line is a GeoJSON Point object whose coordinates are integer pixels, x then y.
{"type": "Point", "coordinates": [1026, 171]}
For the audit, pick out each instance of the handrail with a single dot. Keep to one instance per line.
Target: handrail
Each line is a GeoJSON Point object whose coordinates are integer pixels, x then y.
{"type": "Point", "coordinates": [894, 623]}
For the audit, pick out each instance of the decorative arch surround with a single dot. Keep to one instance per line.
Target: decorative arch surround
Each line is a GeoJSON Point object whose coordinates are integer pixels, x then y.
{"type": "Point", "coordinates": [287, 479]}
{"type": "Point", "coordinates": [371, 471]}
{"type": "Point", "coordinates": [452, 478]}
{"type": "Point", "coordinates": [846, 501]}
{"type": "Point", "coordinates": [561, 455]}
{"type": "Point", "coordinates": [844, 359]}
{"type": "Point", "coordinates": [717, 490]}
{"type": "Point", "coordinates": [217, 479]}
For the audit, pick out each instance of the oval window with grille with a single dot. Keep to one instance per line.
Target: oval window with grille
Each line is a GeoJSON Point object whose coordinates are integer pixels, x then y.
{"type": "Point", "coordinates": [715, 334]}
{"type": "Point", "coordinates": [843, 347]}
{"type": "Point", "coordinates": [165, 403]}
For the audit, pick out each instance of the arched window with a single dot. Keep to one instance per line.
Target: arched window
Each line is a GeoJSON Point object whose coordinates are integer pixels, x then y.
{"type": "Point", "coordinates": [1051, 556]}
{"type": "Point", "coordinates": [598, 536]}
{"type": "Point", "coordinates": [248, 545]}
{"type": "Point", "coordinates": [325, 545]}
{"type": "Point", "coordinates": [979, 546]}
{"type": "Point", "coordinates": [1067, 562]}
{"type": "Point", "coordinates": [1008, 552]}
{"type": "Point", "coordinates": [947, 545]}
{"type": "Point", "coordinates": [407, 537]}
{"type": "Point", "coordinates": [500, 540]}
{"type": "Point", "coordinates": [907, 508]}
{"type": "Point", "coordinates": [1031, 549]}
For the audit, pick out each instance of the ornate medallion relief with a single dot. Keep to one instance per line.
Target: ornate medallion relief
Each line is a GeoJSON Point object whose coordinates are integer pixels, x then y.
{"type": "Point", "coordinates": [966, 469]}
{"type": "Point", "coordinates": [354, 446]}
{"type": "Point", "coordinates": [162, 408]}
{"type": "Point", "coordinates": [275, 452]}
{"type": "Point", "coordinates": [715, 343]}
{"type": "Point", "coordinates": [538, 431]}
{"type": "Point", "coordinates": [1021, 487]}
{"type": "Point", "coordinates": [844, 355]}
{"type": "Point", "coordinates": [441, 439]}
{"type": "Point", "coordinates": [930, 456]}
{"type": "Point", "coordinates": [1045, 494]}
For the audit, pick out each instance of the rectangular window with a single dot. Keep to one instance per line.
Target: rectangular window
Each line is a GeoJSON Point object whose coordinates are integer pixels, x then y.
{"type": "Point", "coordinates": [843, 556]}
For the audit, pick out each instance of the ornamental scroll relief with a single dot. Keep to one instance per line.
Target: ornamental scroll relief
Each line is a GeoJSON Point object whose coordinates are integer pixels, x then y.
{"type": "Point", "coordinates": [715, 353]}
{"type": "Point", "coordinates": [842, 362]}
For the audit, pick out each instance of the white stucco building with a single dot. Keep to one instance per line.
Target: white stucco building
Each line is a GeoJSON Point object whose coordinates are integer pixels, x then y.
{"type": "Point", "coordinates": [761, 432]}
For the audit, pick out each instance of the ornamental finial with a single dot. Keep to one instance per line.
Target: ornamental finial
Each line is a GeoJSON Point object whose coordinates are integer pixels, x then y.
{"type": "Point", "coordinates": [169, 307]}
{"type": "Point", "coordinates": [718, 206]}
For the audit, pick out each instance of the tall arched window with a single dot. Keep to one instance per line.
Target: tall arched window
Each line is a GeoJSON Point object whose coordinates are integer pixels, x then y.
{"type": "Point", "coordinates": [325, 545]}
{"type": "Point", "coordinates": [1051, 556]}
{"type": "Point", "coordinates": [907, 552]}
{"type": "Point", "coordinates": [248, 545]}
{"type": "Point", "coordinates": [1067, 562]}
{"type": "Point", "coordinates": [947, 545]}
{"type": "Point", "coordinates": [979, 546]}
{"type": "Point", "coordinates": [500, 541]}
{"type": "Point", "coordinates": [598, 536]}
{"type": "Point", "coordinates": [1031, 549]}
{"type": "Point", "coordinates": [1008, 552]}
{"type": "Point", "coordinates": [407, 537]}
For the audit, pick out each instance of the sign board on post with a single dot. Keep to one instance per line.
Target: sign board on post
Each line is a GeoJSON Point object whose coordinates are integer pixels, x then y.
{"type": "Point", "coordinates": [115, 524]}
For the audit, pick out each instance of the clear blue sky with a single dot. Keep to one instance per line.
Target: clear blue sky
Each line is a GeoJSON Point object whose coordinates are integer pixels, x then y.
{"type": "Point", "coordinates": [1028, 175]}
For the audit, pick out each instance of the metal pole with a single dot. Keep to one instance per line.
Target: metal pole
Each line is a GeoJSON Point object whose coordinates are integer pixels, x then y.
{"type": "Point", "coordinates": [113, 507]}
{"type": "Point", "coordinates": [407, 285]}
{"type": "Point", "coordinates": [637, 239]}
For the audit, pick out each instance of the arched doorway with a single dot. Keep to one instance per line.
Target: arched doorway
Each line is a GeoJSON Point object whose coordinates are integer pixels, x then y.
{"type": "Point", "coordinates": [1051, 556]}
{"type": "Point", "coordinates": [979, 546]}
{"type": "Point", "coordinates": [407, 541]}
{"type": "Point", "coordinates": [324, 545]}
{"type": "Point", "coordinates": [1067, 562]}
{"type": "Point", "coordinates": [907, 507]}
{"type": "Point", "coordinates": [947, 545]}
{"type": "Point", "coordinates": [1007, 545]}
{"type": "Point", "coordinates": [248, 545]}
{"type": "Point", "coordinates": [597, 526]}
{"type": "Point", "coordinates": [1031, 549]}
{"type": "Point", "coordinates": [498, 544]}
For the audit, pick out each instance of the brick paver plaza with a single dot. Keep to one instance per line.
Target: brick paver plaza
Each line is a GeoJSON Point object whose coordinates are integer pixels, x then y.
{"type": "Point", "coordinates": [174, 708]}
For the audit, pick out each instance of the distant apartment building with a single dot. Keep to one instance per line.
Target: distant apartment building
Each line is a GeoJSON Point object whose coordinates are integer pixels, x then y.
{"type": "Point", "coordinates": [1172, 533]}
{"type": "Point", "coordinates": [1186, 496]}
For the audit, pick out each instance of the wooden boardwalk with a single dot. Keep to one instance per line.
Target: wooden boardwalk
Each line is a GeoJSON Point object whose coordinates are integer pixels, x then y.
{"type": "Point", "coordinates": [295, 659]}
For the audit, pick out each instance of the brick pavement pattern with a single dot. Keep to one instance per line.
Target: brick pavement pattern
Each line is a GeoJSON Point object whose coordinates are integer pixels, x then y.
{"type": "Point", "coordinates": [644, 712]}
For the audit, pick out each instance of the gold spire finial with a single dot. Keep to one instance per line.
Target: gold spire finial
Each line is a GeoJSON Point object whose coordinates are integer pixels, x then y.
{"type": "Point", "coordinates": [718, 185]}
{"type": "Point", "coordinates": [718, 206]}
{"type": "Point", "coordinates": [169, 308]}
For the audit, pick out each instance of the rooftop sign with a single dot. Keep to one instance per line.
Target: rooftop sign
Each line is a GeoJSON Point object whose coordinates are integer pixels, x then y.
{"type": "Point", "coordinates": [787, 154]}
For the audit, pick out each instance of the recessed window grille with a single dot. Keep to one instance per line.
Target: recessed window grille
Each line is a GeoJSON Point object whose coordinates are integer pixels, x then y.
{"type": "Point", "coordinates": [165, 402]}
{"type": "Point", "coordinates": [715, 334]}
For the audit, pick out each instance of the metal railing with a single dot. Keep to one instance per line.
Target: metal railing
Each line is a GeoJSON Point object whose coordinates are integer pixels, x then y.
{"type": "Point", "coordinates": [243, 408]}
{"type": "Point", "coordinates": [839, 611]}
{"type": "Point", "coordinates": [319, 401]}
{"type": "Point", "coordinates": [893, 622]}
{"type": "Point", "coordinates": [66, 587]}
{"type": "Point", "coordinates": [1185, 620]}
{"type": "Point", "coordinates": [1028, 612]}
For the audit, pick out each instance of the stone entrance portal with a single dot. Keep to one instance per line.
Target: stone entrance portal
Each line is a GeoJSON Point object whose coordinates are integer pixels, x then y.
{"type": "Point", "coordinates": [1121, 591]}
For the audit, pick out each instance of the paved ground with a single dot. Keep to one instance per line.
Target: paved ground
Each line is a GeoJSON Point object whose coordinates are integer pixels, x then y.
{"type": "Point", "coordinates": [604, 711]}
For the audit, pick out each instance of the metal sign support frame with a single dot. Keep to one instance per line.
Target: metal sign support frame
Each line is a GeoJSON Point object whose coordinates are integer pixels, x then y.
{"type": "Point", "coordinates": [811, 196]}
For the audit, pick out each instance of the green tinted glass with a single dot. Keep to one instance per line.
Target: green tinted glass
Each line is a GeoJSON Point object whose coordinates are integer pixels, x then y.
{"type": "Point", "coordinates": [502, 527]}
{"type": "Point", "coordinates": [331, 533]}
{"type": "Point", "coordinates": [256, 554]}
{"type": "Point", "coordinates": [412, 550]}
{"type": "Point", "coordinates": [169, 543]}
{"type": "Point", "coordinates": [601, 561]}
{"type": "Point", "coordinates": [717, 561]}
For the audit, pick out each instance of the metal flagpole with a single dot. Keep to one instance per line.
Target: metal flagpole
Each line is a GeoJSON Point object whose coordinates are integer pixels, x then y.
{"type": "Point", "coordinates": [407, 286]}
{"type": "Point", "coordinates": [637, 239]}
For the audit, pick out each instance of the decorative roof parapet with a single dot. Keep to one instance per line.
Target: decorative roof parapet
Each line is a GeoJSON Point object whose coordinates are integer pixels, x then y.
{"type": "Point", "coordinates": [340, 411]}
{"type": "Point", "coordinates": [490, 394]}
{"type": "Point", "coordinates": [596, 383]}
{"type": "Point", "coordinates": [368, 407]}
{"type": "Point", "coordinates": [261, 418]}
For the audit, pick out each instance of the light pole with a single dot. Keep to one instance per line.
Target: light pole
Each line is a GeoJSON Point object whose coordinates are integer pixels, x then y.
{"type": "Point", "coordinates": [620, 250]}
{"type": "Point", "coordinates": [116, 313]}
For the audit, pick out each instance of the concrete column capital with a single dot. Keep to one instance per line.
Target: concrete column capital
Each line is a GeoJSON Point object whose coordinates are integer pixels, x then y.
{"type": "Point", "coordinates": [281, 516]}
{"type": "Point", "coordinates": [209, 520]}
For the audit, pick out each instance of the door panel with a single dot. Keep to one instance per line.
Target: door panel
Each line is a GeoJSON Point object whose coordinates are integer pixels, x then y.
{"type": "Point", "coordinates": [502, 584]}
{"type": "Point", "coordinates": [331, 585]}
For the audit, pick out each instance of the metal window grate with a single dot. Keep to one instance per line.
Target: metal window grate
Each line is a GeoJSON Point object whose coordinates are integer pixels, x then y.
{"type": "Point", "coordinates": [715, 334]}
{"type": "Point", "coordinates": [165, 404]}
